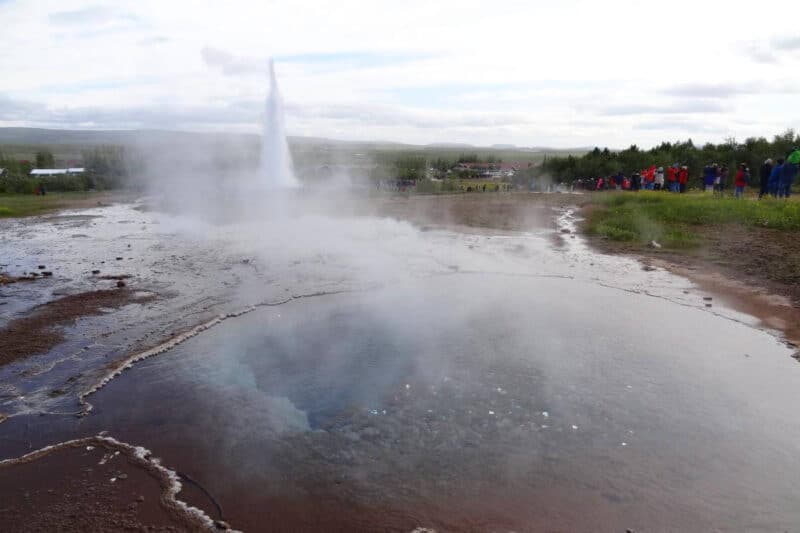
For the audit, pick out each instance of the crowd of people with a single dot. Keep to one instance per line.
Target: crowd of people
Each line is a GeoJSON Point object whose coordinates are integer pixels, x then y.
{"type": "Point", "coordinates": [672, 179]}
{"type": "Point", "coordinates": [776, 178]}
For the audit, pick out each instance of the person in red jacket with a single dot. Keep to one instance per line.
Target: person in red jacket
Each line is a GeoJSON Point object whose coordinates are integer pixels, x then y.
{"type": "Point", "coordinates": [683, 179]}
{"type": "Point", "coordinates": [741, 180]}
{"type": "Point", "coordinates": [673, 184]}
{"type": "Point", "coordinates": [649, 176]}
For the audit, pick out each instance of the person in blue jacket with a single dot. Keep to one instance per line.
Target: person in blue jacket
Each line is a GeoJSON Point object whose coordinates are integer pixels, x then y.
{"type": "Point", "coordinates": [788, 172]}
{"type": "Point", "coordinates": [709, 176]}
{"type": "Point", "coordinates": [775, 178]}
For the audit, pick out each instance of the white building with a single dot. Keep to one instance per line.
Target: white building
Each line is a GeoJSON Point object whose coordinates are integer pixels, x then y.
{"type": "Point", "coordinates": [57, 171]}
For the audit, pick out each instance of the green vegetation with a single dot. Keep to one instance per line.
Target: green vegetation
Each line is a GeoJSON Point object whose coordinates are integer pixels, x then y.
{"type": "Point", "coordinates": [753, 151]}
{"type": "Point", "coordinates": [676, 220]}
{"type": "Point", "coordinates": [19, 205]}
{"type": "Point", "coordinates": [427, 186]}
{"type": "Point", "coordinates": [107, 167]}
{"type": "Point", "coordinates": [45, 159]}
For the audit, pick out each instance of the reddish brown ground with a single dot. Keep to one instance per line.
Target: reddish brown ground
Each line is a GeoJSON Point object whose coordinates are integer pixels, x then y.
{"type": "Point", "coordinates": [41, 329]}
{"type": "Point", "coordinates": [755, 270]}
{"type": "Point", "coordinates": [5, 279]}
{"type": "Point", "coordinates": [68, 490]}
{"type": "Point", "coordinates": [496, 211]}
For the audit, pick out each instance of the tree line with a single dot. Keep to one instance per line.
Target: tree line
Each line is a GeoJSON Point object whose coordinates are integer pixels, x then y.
{"type": "Point", "coordinates": [604, 162]}
{"type": "Point", "coordinates": [106, 167]}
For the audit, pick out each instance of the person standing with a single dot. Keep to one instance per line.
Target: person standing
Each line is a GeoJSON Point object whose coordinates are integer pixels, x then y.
{"type": "Point", "coordinates": [660, 178]}
{"type": "Point", "coordinates": [794, 157]}
{"type": "Point", "coordinates": [671, 178]}
{"type": "Point", "coordinates": [722, 174]}
{"type": "Point", "coordinates": [741, 180]}
{"type": "Point", "coordinates": [683, 179]}
{"type": "Point", "coordinates": [788, 173]}
{"type": "Point", "coordinates": [763, 175]}
{"type": "Point", "coordinates": [709, 177]}
{"type": "Point", "coordinates": [775, 178]}
{"type": "Point", "coordinates": [636, 182]}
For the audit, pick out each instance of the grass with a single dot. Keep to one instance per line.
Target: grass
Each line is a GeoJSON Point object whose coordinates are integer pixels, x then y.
{"type": "Point", "coordinates": [673, 220]}
{"type": "Point", "coordinates": [22, 205]}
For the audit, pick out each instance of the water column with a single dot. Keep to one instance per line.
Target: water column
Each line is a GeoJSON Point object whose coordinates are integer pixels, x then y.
{"type": "Point", "coordinates": [276, 161]}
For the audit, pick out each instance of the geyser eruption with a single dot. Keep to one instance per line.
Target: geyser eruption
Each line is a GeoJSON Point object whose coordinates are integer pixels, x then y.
{"type": "Point", "coordinates": [276, 161]}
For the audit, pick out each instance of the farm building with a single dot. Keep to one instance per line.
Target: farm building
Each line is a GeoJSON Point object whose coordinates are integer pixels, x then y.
{"type": "Point", "coordinates": [73, 171]}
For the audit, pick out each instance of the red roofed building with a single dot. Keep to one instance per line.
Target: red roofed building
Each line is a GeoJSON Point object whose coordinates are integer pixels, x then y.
{"type": "Point", "coordinates": [492, 170]}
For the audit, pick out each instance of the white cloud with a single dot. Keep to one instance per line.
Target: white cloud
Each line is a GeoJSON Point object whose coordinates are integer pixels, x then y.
{"type": "Point", "coordinates": [524, 72]}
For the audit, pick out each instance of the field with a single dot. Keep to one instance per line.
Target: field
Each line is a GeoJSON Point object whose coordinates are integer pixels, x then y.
{"type": "Point", "coordinates": [752, 242]}
{"type": "Point", "coordinates": [21, 205]}
{"type": "Point", "coordinates": [677, 221]}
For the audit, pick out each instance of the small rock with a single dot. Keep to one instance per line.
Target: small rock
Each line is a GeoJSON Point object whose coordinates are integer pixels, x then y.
{"type": "Point", "coordinates": [47, 273]}
{"type": "Point", "coordinates": [648, 268]}
{"type": "Point", "coordinates": [707, 298]}
{"type": "Point", "coordinates": [565, 230]}
{"type": "Point", "coordinates": [95, 271]}
{"type": "Point", "coordinates": [129, 246]}
{"type": "Point", "coordinates": [122, 476]}
{"type": "Point", "coordinates": [120, 284]}
{"type": "Point", "coordinates": [42, 267]}
{"type": "Point", "coordinates": [221, 524]}
{"type": "Point", "coordinates": [140, 498]}
{"type": "Point", "coordinates": [654, 244]}
{"type": "Point", "coordinates": [709, 305]}
{"type": "Point", "coordinates": [119, 259]}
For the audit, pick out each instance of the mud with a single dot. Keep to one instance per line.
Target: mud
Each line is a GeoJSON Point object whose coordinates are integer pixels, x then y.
{"type": "Point", "coordinates": [42, 328]}
{"type": "Point", "coordinates": [94, 484]}
{"type": "Point", "coordinates": [505, 212]}
{"type": "Point", "coordinates": [5, 279]}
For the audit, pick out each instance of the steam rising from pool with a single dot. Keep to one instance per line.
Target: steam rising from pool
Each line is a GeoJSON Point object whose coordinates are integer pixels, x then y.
{"type": "Point", "coordinates": [276, 161]}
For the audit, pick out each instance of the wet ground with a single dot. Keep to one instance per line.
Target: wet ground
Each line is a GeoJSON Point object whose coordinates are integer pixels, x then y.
{"type": "Point", "coordinates": [365, 373]}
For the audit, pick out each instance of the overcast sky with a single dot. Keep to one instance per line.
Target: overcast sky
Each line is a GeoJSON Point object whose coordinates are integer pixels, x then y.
{"type": "Point", "coordinates": [527, 72]}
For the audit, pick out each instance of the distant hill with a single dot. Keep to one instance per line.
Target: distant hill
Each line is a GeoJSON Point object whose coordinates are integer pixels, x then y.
{"type": "Point", "coordinates": [40, 136]}
{"type": "Point", "coordinates": [69, 142]}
